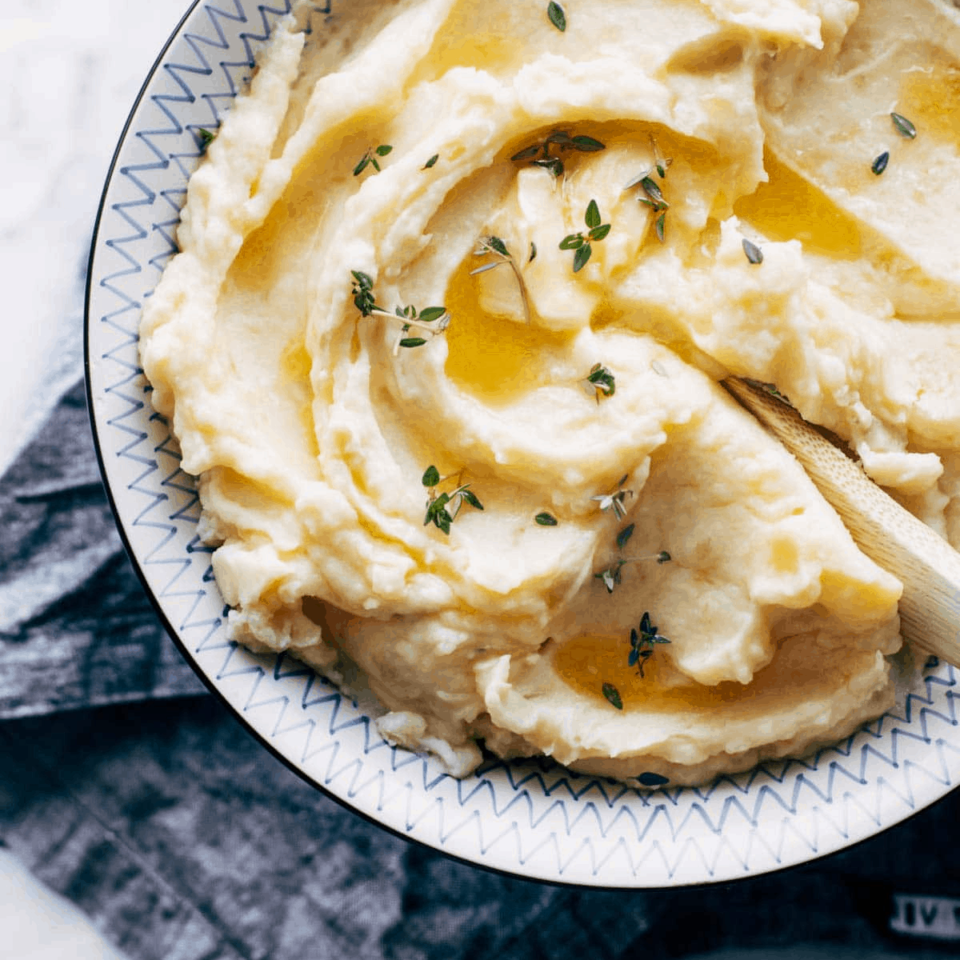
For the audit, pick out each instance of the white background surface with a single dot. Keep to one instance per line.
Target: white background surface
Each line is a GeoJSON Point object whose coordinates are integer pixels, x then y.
{"type": "Point", "coordinates": [70, 72]}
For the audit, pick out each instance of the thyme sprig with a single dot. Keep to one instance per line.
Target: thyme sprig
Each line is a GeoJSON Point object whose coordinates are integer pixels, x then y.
{"type": "Point", "coordinates": [563, 141]}
{"type": "Point", "coordinates": [370, 158]}
{"type": "Point", "coordinates": [600, 382]}
{"type": "Point", "coordinates": [495, 247]}
{"type": "Point", "coordinates": [612, 576]}
{"type": "Point", "coordinates": [444, 507]}
{"type": "Point", "coordinates": [433, 320]}
{"type": "Point", "coordinates": [580, 243]}
{"type": "Point", "coordinates": [615, 500]}
{"type": "Point", "coordinates": [652, 194]}
{"type": "Point", "coordinates": [643, 642]}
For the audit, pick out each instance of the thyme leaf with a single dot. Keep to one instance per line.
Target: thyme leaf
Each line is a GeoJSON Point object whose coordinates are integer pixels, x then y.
{"type": "Point", "coordinates": [592, 216]}
{"type": "Point", "coordinates": [557, 16]}
{"type": "Point", "coordinates": [753, 252]}
{"type": "Point", "coordinates": [431, 161]}
{"type": "Point", "coordinates": [206, 138]}
{"type": "Point", "coordinates": [903, 126]}
{"type": "Point", "coordinates": [527, 152]}
{"type": "Point", "coordinates": [546, 519]}
{"type": "Point", "coordinates": [613, 695]}
{"type": "Point", "coordinates": [581, 257]}
{"type": "Point", "coordinates": [586, 144]}
{"type": "Point", "coordinates": [659, 226]}
{"type": "Point", "coordinates": [648, 779]}
{"type": "Point", "coordinates": [624, 535]}
{"type": "Point", "coordinates": [880, 163]}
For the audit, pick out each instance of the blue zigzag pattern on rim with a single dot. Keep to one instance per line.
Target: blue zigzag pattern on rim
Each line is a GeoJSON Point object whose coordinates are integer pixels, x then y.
{"type": "Point", "coordinates": [528, 816]}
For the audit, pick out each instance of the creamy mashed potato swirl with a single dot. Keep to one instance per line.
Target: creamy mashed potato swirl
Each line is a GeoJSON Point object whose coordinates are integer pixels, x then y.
{"type": "Point", "coordinates": [312, 429]}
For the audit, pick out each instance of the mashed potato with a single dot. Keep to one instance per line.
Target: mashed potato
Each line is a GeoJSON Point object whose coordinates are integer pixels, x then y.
{"type": "Point", "coordinates": [443, 341]}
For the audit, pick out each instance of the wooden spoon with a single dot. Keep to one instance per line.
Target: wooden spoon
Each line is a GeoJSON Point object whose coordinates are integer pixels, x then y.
{"type": "Point", "coordinates": [923, 561]}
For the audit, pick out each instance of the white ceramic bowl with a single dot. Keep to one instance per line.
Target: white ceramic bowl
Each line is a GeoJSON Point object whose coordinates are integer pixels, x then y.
{"type": "Point", "coordinates": [531, 818]}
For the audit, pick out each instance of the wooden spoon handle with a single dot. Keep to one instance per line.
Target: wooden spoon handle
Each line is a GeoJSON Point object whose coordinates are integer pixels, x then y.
{"type": "Point", "coordinates": [927, 565]}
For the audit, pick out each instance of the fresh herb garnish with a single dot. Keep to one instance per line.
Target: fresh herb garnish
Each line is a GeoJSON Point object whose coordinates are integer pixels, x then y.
{"type": "Point", "coordinates": [434, 320]}
{"type": "Point", "coordinates": [206, 138]}
{"type": "Point", "coordinates": [659, 226]}
{"type": "Point", "coordinates": [498, 249]}
{"type": "Point", "coordinates": [533, 252]}
{"type": "Point", "coordinates": [648, 779]}
{"type": "Point", "coordinates": [613, 695]}
{"type": "Point", "coordinates": [562, 140]}
{"type": "Point", "coordinates": [443, 508]}
{"type": "Point", "coordinates": [753, 252]}
{"type": "Point", "coordinates": [557, 16]}
{"type": "Point", "coordinates": [616, 499]}
{"type": "Point", "coordinates": [612, 576]}
{"type": "Point", "coordinates": [363, 293]}
{"type": "Point", "coordinates": [880, 164]}
{"type": "Point", "coordinates": [903, 126]}
{"type": "Point", "coordinates": [370, 158]}
{"type": "Point", "coordinates": [546, 519]}
{"type": "Point", "coordinates": [642, 643]}
{"type": "Point", "coordinates": [600, 382]}
{"type": "Point", "coordinates": [580, 243]}
{"type": "Point", "coordinates": [431, 161]}
{"type": "Point", "coordinates": [652, 194]}
{"type": "Point", "coordinates": [624, 535]}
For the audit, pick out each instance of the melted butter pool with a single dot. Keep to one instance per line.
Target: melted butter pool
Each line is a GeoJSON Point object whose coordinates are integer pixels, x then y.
{"type": "Point", "coordinates": [587, 662]}
{"type": "Point", "coordinates": [494, 358]}
{"type": "Point", "coordinates": [787, 207]}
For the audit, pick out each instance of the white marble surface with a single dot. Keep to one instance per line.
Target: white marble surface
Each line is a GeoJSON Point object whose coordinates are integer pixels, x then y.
{"type": "Point", "coordinates": [70, 72]}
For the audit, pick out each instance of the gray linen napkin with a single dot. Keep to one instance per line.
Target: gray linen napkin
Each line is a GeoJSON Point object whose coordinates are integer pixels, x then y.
{"type": "Point", "coordinates": [75, 627]}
